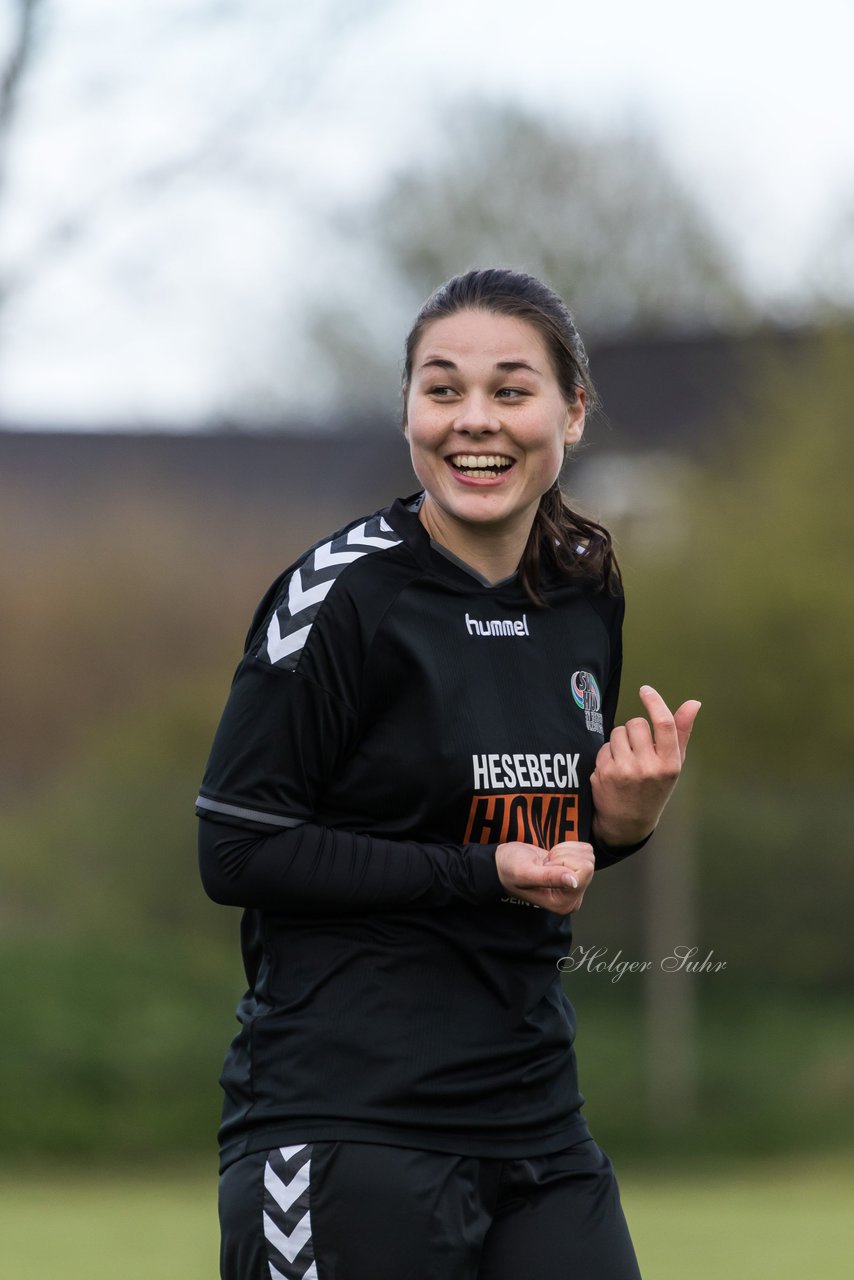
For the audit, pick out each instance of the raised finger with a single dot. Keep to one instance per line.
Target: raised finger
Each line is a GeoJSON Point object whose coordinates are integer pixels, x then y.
{"type": "Point", "coordinates": [684, 718]}
{"type": "Point", "coordinates": [664, 732]}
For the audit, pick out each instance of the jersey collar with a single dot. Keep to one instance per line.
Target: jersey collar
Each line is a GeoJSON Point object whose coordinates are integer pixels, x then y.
{"type": "Point", "coordinates": [402, 515]}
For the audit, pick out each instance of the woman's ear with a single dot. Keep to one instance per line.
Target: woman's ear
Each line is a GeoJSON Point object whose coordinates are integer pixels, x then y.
{"type": "Point", "coordinates": [575, 414]}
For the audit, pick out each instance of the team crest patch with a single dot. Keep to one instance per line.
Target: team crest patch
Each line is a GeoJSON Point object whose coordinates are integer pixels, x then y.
{"type": "Point", "coordinates": [585, 694]}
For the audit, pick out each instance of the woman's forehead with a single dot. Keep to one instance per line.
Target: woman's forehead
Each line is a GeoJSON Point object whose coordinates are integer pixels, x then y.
{"type": "Point", "coordinates": [482, 338]}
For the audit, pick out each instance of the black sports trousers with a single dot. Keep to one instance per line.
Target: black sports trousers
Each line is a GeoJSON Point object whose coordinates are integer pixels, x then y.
{"type": "Point", "coordinates": [363, 1211]}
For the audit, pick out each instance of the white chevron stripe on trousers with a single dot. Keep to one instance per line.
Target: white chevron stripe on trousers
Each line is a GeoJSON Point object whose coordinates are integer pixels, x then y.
{"type": "Point", "coordinates": [311, 1274]}
{"type": "Point", "coordinates": [287, 1216]}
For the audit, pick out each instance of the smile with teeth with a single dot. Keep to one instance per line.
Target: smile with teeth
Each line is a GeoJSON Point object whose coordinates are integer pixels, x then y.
{"type": "Point", "coordinates": [480, 466]}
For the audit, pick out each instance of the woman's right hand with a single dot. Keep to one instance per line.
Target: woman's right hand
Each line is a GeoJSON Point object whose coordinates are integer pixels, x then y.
{"type": "Point", "coordinates": [555, 879]}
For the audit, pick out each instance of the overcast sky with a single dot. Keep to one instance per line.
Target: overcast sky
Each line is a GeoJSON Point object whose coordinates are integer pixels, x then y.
{"type": "Point", "coordinates": [146, 289]}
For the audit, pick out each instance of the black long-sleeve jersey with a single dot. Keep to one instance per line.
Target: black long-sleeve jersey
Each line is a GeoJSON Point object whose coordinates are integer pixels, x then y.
{"type": "Point", "coordinates": [395, 717]}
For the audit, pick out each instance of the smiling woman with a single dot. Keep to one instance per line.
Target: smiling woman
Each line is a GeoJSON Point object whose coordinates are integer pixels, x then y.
{"type": "Point", "coordinates": [419, 742]}
{"type": "Point", "coordinates": [488, 431]}
{"type": "Point", "coordinates": [496, 390]}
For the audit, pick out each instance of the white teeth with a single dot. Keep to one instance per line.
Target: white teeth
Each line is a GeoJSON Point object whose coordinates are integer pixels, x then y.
{"type": "Point", "coordinates": [479, 461]}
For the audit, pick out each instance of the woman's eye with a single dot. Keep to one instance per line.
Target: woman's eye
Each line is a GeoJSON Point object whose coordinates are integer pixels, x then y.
{"type": "Point", "coordinates": [441, 392]}
{"type": "Point", "coordinates": [511, 392]}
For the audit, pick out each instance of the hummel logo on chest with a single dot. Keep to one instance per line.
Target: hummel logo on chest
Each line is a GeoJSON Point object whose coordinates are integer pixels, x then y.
{"type": "Point", "coordinates": [498, 626]}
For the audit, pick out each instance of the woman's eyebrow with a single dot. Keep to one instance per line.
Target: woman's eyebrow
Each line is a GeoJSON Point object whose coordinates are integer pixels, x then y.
{"type": "Point", "coordinates": [437, 363]}
{"type": "Point", "coordinates": [505, 366]}
{"type": "Point", "coordinates": [510, 366]}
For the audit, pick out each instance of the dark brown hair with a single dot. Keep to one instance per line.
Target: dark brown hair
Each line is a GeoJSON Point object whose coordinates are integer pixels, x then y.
{"type": "Point", "coordinates": [560, 539]}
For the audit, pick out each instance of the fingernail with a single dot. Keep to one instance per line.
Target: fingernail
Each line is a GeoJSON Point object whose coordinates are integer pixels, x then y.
{"type": "Point", "coordinates": [570, 880]}
{"type": "Point", "coordinates": [646, 688]}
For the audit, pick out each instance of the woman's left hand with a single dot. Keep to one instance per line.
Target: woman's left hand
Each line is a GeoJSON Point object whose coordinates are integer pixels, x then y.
{"type": "Point", "coordinates": [637, 769]}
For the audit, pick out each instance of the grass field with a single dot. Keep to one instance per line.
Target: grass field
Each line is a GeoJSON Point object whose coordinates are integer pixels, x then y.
{"type": "Point", "coordinates": [777, 1222]}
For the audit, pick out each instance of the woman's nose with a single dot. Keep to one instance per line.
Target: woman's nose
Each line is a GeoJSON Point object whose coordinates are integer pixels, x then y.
{"type": "Point", "coordinates": [476, 413]}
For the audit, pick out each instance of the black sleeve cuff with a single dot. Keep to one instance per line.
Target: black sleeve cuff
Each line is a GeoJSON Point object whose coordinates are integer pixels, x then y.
{"type": "Point", "coordinates": [608, 855]}
{"type": "Point", "coordinates": [484, 873]}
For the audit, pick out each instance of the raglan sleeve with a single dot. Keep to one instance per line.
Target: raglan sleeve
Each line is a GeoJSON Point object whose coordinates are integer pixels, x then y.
{"type": "Point", "coordinates": [291, 718]}
{"type": "Point", "coordinates": [609, 855]}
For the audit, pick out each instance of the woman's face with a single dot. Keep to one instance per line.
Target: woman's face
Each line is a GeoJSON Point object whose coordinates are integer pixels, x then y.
{"type": "Point", "coordinates": [486, 420]}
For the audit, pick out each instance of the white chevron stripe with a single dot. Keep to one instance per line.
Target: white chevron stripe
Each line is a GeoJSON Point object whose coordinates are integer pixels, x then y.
{"type": "Point", "coordinates": [285, 1194]}
{"type": "Point", "coordinates": [358, 537]}
{"type": "Point", "coordinates": [359, 543]}
{"type": "Point", "coordinates": [325, 557]}
{"type": "Point", "coordinates": [288, 1246]}
{"type": "Point", "coordinates": [279, 646]}
{"type": "Point", "coordinates": [275, 1273]}
{"type": "Point", "coordinates": [300, 598]}
{"type": "Point", "coordinates": [288, 1153]}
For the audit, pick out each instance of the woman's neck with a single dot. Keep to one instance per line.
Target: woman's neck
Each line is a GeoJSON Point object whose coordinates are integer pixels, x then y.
{"type": "Point", "coordinates": [494, 553]}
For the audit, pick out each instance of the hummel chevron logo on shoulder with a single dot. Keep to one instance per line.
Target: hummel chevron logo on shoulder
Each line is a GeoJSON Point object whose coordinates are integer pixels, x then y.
{"type": "Point", "coordinates": [287, 1219]}
{"type": "Point", "coordinates": [311, 582]}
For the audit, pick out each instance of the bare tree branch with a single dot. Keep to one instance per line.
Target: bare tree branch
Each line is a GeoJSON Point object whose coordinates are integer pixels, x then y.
{"type": "Point", "coordinates": [287, 89]}
{"type": "Point", "coordinates": [12, 72]}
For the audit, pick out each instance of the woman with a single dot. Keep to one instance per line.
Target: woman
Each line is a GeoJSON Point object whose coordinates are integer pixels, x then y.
{"type": "Point", "coordinates": [413, 780]}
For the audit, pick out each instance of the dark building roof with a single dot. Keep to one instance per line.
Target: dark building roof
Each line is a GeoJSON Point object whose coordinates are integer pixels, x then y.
{"type": "Point", "coordinates": [670, 394]}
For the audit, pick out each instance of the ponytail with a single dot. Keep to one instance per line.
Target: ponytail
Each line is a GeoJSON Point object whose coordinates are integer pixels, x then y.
{"type": "Point", "coordinates": [565, 543]}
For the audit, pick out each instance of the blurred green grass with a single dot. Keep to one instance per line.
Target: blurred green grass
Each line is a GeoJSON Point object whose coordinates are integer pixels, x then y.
{"type": "Point", "coordinates": [99, 1226]}
{"type": "Point", "coordinates": [117, 1049]}
{"type": "Point", "coordinates": [776, 1221]}
{"type": "Point", "coordinates": [768, 1222]}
